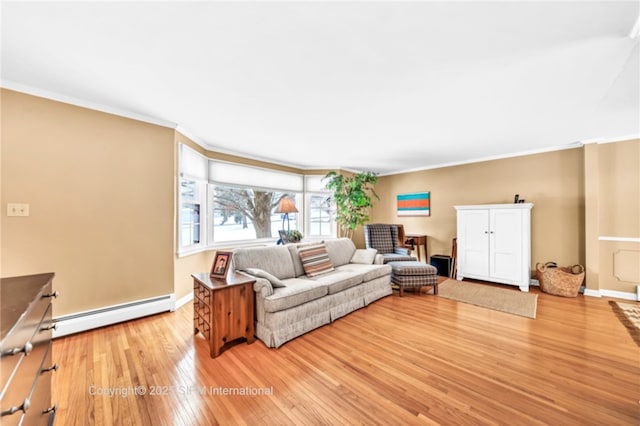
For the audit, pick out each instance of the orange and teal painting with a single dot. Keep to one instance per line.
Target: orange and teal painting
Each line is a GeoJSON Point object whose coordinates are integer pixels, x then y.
{"type": "Point", "coordinates": [416, 204]}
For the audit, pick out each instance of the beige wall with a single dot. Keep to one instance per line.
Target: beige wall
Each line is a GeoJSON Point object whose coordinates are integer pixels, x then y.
{"type": "Point", "coordinates": [101, 194]}
{"type": "Point", "coordinates": [102, 191]}
{"type": "Point", "coordinates": [552, 181]}
{"type": "Point", "coordinates": [612, 182]}
{"type": "Point", "coordinates": [580, 196]}
{"type": "Point", "coordinates": [619, 189]}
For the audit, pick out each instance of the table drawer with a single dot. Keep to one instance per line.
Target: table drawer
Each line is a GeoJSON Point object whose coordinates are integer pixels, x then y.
{"type": "Point", "coordinates": [203, 327]}
{"type": "Point", "coordinates": [28, 334]}
{"type": "Point", "coordinates": [28, 366]}
{"type": "Point", "coordinates": [14, 344]}
{"type": "Point", "coordinates": [201, 308]}
{"type": "Point", "coordinates": [202, 293]}
{"type": "Point", "coordinates": [39, 410]}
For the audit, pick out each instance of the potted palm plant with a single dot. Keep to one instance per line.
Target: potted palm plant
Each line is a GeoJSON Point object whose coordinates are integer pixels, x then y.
{"type": "Point", "coordinates": [353, 195]}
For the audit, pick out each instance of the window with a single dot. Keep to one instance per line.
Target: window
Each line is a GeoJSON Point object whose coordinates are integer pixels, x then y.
{"type": "Point", "coordinates": [191, 206]}
{"type": "Point", "coordinates": [189, 216]}
{"type": "Point", "coordinates": [221, 202]}
{"type": "Point", "coordinates": [320, 219]}
{"type": "Point", "coordinates": [248, 213]}
{"type": "Point", "coordinates": [319, 209]}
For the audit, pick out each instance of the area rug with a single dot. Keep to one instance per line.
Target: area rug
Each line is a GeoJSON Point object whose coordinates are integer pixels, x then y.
{"type": "Point", "coordinates": [500, 299]}
{"type": "Point", "coordinates": [629, 315]}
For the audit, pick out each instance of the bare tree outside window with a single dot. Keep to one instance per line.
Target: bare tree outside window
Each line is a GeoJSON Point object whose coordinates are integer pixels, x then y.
{"type": "Point", "coordinates": [250, 208]}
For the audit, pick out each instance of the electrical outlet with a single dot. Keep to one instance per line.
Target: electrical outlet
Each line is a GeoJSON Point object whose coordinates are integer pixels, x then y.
{"type": "Point", "coordinates": [17, 209]}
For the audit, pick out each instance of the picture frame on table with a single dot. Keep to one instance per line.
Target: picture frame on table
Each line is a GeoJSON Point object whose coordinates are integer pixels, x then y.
{"type": "Point", "coordinates": [284, 237]}
{"type": "Point", "coordinates": [221, 265]}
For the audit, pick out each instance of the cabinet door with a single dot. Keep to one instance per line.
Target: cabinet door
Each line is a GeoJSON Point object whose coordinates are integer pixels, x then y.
{"type": "Point", "coordinates": [505, 254]}
{"type": "Point", "coordinates": [473, 242]}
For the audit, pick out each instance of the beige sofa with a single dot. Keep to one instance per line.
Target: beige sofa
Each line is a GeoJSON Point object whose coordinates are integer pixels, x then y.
{"type": "Point", "coordinates": [289, 303]}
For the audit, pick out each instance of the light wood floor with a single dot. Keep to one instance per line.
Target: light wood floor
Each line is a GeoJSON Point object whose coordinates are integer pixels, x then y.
{"type": "Point", "coordinates": [418, 359]}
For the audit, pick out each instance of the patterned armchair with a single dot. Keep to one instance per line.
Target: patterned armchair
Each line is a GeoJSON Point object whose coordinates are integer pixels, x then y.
{"type": "Point", "coordinates": [384, 238]}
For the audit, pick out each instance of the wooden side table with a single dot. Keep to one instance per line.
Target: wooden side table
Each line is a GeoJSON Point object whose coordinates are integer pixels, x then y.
{"type": "Point", "coordinates": [223, 310]}
{"type": "Point", "coordinates": [419, 240]}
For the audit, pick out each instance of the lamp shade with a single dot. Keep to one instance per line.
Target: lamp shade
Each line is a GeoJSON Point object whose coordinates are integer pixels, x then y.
{"type": "Point", "coordinates": [286, 205]}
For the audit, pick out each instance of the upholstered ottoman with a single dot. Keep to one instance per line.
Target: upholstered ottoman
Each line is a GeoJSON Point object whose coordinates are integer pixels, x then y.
{"type": "Point", "coordinates": [412, 274]}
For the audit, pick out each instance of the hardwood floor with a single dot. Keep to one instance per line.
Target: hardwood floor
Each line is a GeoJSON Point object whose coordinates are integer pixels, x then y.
{"type": "Point", "coordinates": [419, 359]}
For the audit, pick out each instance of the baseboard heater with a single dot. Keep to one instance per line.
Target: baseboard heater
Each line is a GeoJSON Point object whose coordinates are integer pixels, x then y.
{"type": "Point", "coordinates": [88, 320]}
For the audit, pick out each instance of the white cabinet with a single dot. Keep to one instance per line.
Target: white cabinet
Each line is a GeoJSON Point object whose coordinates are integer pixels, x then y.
{"type": "Point", "coordinates": [494, 243]}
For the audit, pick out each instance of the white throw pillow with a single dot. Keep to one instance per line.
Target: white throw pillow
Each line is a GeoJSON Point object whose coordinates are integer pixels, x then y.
{"type": "Point", "coordinates": [364, 256]}
{"type": "Point", "coordinates": [261, 273]}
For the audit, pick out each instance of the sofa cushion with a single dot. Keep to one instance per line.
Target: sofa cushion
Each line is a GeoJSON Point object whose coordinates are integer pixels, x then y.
{"type": "Point", "coordinates": [337, 281]}
{"type": "Point", "coordinates": [368, 272]}
{"type": "Point", "coordinates": [296, 292]}
{"type": "Point", "coordinates": [340, 251]}
{"type": "Point", "coordinates": [315, 260]}
{"type": "Point", "coordinates": [364, 256]}
{"type": "Point", "coordinates": [275, 260]}
{"type": "Point", "coordinates": [257, 272]}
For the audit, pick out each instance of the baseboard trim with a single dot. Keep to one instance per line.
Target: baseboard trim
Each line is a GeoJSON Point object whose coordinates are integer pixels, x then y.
{"type": "Point", "coordinates": [611, 293]}
{"type": "Point", "coordinates": [592, 293]}
{"type": "Point", "coordinates": [184, 300]}
{"type": "Point", "coordinates": [88, 320]}
{"type": "Point", "coordinates": [619, 294]}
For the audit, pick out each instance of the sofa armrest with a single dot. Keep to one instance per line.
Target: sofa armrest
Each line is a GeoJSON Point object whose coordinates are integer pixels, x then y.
{"type": "Point", "coordinates": [379, 260]}
{"type": "Point", "coordinates": [403, 251]}
{"type": "Point", "coordinates": [262, 287]}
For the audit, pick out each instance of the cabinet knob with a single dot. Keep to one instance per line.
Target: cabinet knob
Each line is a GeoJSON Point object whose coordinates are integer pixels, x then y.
{"type": "Point", "coordinates": [53, 326]}
{"type": "Point", "coordinates": [28, 347]}
{"type": "Point", "coordinates": [54, 367]}
{"type": "Point", "coordinates": [24, 407]}
{"type": "Point", "coordinates": [50, 409]}
{"type": "Point", "coordinates": [55, 294]}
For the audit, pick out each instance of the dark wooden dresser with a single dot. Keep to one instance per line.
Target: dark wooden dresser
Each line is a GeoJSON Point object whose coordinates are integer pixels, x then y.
{"type": "Point", "coordinates": [25, 348]}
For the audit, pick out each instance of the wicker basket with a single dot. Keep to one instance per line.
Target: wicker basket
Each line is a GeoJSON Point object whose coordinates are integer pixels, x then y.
{"type": "Point", "coordinates": [560, 281]}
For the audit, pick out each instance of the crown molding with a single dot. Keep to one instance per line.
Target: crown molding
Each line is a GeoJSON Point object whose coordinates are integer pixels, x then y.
{"type": "Point", "coordinates": [54, 96]}
{"type": "Point", "coordinates": [47, 94]}
{"type": "Point", "coordinates": [489, 158]}
{"type": "Point", "coordinates": [612, 140]}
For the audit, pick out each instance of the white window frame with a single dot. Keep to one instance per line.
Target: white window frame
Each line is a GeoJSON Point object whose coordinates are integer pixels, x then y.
{"type": "Point", "coordinates": [314, 185]}
{"type": "Point", "coordinates": [209, 173]}
{"type": "Point", "coordinates": [192, 166]}
{"type": "Point", "coordinates": [198, 199]}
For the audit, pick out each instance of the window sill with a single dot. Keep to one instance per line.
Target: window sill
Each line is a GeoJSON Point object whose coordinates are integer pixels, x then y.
{"type": "Point", "coordinates": [230, 245]}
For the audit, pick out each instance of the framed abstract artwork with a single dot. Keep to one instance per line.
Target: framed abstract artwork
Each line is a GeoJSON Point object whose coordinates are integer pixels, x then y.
{"type": "Point", "coordinates": [414, 204]}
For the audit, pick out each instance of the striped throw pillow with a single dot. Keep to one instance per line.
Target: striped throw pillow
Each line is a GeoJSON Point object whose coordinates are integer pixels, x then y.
{"type": "Point", "coordinates": [315, 259]}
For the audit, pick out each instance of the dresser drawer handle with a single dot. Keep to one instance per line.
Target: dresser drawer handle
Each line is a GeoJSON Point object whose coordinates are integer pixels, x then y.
{"type": "Point", "coordinates": [50, 327]}
{"type": "Point", "coordinates": [55, 294]}
{"type": "Point", "coordinates": [24, 407]}
{"type": "Point", "coordinates": [28, 347]}
{"type": "Point", "coordinates": [50, 409]}
{"type": "Point", "coordinates": [54, 367]}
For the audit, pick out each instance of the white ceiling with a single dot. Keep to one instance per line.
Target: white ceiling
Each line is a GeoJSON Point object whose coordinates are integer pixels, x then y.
{"type": "Point", "coordinates": [379, 86]}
